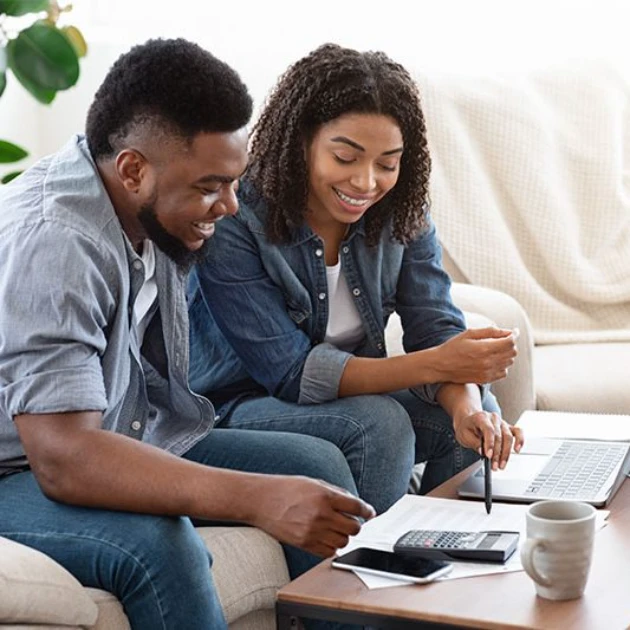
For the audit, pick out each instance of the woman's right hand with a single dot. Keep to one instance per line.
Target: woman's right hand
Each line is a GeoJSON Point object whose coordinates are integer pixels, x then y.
{"type": "Point", "coordinates": [477, 355]}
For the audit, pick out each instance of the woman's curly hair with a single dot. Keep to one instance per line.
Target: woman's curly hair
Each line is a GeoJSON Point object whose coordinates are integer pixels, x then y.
{"type": "Point", "coordinates": [327, 83]}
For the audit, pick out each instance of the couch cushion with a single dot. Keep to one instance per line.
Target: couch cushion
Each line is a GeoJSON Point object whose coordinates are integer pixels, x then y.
{"type": "Point", "coordinates": [587, 377]}
{"type": "Point", "coordinates": [249, 567]}
{"type": "Point", "coordinates": [35, 589]}
{"type": "Point", "coordinates": [111, 615]}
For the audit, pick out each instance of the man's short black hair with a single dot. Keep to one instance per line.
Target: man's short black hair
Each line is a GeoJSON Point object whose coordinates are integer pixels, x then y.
{"type": "Point", "coordinates": [173, 83]}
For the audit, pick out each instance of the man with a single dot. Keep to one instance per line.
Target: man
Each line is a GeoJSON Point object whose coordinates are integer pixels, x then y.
{"type": "Point", "coordinates": [103, 448]}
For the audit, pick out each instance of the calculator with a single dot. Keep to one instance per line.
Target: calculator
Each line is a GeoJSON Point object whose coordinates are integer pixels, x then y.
{"type": "Point", "coordinates": [489, 546]}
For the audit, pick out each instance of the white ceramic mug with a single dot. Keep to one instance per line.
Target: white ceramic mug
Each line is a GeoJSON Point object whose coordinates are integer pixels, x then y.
{"type": "Point", "coordinates": [559, 547]}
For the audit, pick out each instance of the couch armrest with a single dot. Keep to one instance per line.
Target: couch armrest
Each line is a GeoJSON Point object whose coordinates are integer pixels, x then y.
{"type": "Point", "coordinates": [516, 392]}
{"type": "Point", "coordinates": [34, 589]}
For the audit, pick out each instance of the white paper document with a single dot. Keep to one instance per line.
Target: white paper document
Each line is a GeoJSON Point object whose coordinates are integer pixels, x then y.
{"type": "Point", "coordinates": [420, 512]}
{"type": "Point", "coordinates": [576, 426]}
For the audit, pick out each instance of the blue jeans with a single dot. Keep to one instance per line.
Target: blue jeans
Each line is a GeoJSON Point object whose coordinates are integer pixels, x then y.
{"type": "Point", "coordinates": [381, 437]}
{"type": "Point", "coordinates": [158, 567]}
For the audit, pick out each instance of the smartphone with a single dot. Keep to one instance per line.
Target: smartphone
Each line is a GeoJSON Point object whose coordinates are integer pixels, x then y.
{"type": "Point", "coordinates": [389, 564]}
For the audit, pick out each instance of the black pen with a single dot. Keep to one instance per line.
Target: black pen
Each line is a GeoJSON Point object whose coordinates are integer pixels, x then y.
{"type": "Point", "coordinates": [487, 483]}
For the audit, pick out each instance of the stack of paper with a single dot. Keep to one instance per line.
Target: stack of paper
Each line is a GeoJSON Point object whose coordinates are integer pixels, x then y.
{"type": "Point", "coordinates": [420, 512]}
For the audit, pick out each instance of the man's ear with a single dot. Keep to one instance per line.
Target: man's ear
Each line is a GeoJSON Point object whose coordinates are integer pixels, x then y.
{"type": "Point", "coordinates": [132, 169]}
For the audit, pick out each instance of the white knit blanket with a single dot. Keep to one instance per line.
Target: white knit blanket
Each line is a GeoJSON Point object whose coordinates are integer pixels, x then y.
{"type": "Point", "coordinates": [531, 192]}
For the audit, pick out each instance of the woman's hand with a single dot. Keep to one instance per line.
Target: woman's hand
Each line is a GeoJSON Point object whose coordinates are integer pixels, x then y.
{"type": "Point", "coordinates": [490, 430]}
{"type": "Point", "coordinates": [478, 355]}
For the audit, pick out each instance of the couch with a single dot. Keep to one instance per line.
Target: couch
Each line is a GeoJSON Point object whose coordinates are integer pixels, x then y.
{"type": "Point", "coordinates": [531, 197]}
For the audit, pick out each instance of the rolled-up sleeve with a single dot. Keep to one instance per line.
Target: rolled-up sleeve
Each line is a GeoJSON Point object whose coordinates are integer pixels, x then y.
{"type": "Point", "coordinates": [53, 304]}
{"type": "Point", "coordinates": [322, 374]}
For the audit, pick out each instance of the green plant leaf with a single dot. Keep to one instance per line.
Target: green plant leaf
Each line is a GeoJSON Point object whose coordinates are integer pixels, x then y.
{"type": "Point", "coordinates": [10, 152]}
{"type": "Point", "coordinates": [43, 56]}
{"type": "Point", "coordinates": [75, 37]}
{"type": "Point", "coordinates": [42, 95]}
{"type": "Point", "coordinates": [22, 7]}
{"type": "Point", "coordinates": [3, 68]}
{"type": "Point", "coordinates": [10, 176]}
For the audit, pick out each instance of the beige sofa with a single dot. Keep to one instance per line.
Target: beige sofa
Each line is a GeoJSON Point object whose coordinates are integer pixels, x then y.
{"type": "Point", "coordinates": [578, 377]}
{"type": "Point", "coordinates": [38, 594]}
{"type": "Point", "coordinates": [531, 197]}
{"type": "Point", "coordinates": [249, 565]}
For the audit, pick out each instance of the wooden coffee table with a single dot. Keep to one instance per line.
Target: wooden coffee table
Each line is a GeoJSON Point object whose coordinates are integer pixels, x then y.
{"type": "Point", "coordinates": [492, 601]}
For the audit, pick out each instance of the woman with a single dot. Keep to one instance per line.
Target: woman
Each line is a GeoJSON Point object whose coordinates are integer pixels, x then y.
{"type": "Point", "coordinates": [332, 236]}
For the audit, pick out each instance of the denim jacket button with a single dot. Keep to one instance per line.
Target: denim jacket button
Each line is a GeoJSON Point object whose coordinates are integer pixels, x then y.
{"type": "Point", "coordinates": [319, 252]}
{"type": "Point", "coordinates": [345, 249]}
{"type": "Point", "coordinates": [322, 296]}
{"type": "Point", "coordinates": [135, 425]}
{"type": "Point", "coordinates": [137, 264]}
{"type": "Point", "coordinates": [356, 292]}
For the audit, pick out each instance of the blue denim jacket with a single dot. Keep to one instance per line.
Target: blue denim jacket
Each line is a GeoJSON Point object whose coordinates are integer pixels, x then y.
{"type": "Point", "coordinates": [271, 304]}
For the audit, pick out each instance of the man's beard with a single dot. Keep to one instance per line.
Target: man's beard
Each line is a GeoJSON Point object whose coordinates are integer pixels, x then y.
{"type": "Point", "coordinates": [166, 242]}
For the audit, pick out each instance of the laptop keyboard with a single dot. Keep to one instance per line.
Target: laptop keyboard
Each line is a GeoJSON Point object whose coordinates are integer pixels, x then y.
{"type": "Point", "coordinates": [577, 470]}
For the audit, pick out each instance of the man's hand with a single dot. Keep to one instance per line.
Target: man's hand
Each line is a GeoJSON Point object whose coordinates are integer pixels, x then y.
{"type": "Point", "coordinates": [496, 435]}
{"type": "Point", "coordinates": [309, 514]}
{"type": "Point", "coordinates": [478, 355]}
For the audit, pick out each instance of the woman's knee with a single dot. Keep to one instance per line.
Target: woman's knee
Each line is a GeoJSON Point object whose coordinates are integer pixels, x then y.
{"type": "Point", "coordinates": [320, 459]}
{"type": "Point", "coordinates": [380, 416]}
{"type": "Point", "coordinates": [490, 402]}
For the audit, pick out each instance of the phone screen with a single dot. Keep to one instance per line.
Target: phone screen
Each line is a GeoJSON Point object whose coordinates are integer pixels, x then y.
{"type": "Point", "coordinates": [388, 562]}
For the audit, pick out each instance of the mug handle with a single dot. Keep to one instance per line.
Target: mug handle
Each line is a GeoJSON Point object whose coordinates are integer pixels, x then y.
{"type": "Point", "coordinates": [527, 559]}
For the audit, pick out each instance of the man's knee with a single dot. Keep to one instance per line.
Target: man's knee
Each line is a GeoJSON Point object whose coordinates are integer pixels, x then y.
{"type": "Point", "coordinates": [164, 543]}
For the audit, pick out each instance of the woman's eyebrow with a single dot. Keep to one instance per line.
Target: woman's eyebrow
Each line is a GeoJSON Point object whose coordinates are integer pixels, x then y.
{"type": "Point", "coordinates": [358, 147]}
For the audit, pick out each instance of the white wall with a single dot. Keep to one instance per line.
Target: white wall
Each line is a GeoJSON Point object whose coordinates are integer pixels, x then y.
{"type": "Point", "coordinates": [259, 39]}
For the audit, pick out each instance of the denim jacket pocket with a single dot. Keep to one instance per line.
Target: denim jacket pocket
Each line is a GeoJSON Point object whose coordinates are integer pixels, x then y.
{"type": "Point", "coordinates": [297, 312]}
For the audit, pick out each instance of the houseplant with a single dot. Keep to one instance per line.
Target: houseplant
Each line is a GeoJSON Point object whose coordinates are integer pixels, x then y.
{"type": "Point", "coordinates": [41, 55]}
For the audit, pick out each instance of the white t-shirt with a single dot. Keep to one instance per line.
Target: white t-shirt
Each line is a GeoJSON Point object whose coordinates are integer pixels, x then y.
{"type": "Point", "coordinates": [345, 328]}
{"type": "Point", "coordinates": [148, 291]}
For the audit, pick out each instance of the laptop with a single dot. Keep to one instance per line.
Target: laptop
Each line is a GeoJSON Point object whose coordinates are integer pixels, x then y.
{"type": "Point", "coordinates": [555, 468]}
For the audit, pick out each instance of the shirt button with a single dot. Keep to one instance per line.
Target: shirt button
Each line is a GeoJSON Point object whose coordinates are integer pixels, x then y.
{"type": "Point", "coordinates": [137, 264]}
{"type": "Point", "coordinates": [356, 292]}
{"type": "Point", "coordinates": [319, 253]}
{"type": "Point", "coordinates": [345, 249]}
{"type": "Point", "coordinates": [135, 425]}
{"type": "Point", "coordinates": [322, 296]}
